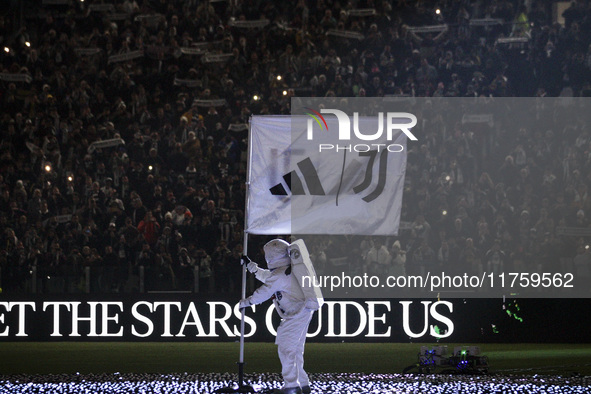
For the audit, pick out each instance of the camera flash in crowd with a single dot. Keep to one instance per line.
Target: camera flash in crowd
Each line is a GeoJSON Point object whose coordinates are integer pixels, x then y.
{"type": "Point", "coordinates": [27, 44]}
{"type": "Point", "coordinates": [150, 168]}
{"type": "Point", "coordinates": [47, 167]}
{"type": "Point", "coordinates": [255, 97]}
{"type": "Point", "coordinates": [444, 212]}
{"type": "Point", "coordinates": [285, 92]}
{"type": "Point", "coordinates": [70, 178]}
{"type": "Point", "coordinates": [279, 77]}
{"type": "Point", "coordinates": [6, 49]}
{"type": "Point", "coordinates": [438, 11]}
{"type": "Point", "coordinates": [447, 178]}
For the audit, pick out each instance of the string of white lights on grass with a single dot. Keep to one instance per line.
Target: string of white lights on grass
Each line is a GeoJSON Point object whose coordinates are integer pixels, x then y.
{"type": "Point", "coordinates": [321, 383]}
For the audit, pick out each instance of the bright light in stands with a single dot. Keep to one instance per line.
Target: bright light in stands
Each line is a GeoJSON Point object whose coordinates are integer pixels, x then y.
{"type": "Point", "coordinates": [444, 212]}
{"type": "Point", "coordinates": [255, 97]}
{"type": "Point", "coordinates": [6, 49]}
{"type": "Point", "coordinates": [47, 167]}
{"type": "Point", "coordinates": [279, 77]}
{"type": "Point", "coordinates": [285, 92]}
{"type": "Point", "coordinates": [70, 178]}
{"type": "Point", "coordinates": [27, 44]}
{"type": "Point", "coordinates": [438, 11]}
{"type": "Point", "coordinates": [150, 168]}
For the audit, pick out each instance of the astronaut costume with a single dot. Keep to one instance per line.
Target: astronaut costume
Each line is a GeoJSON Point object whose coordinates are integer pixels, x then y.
{"type": "Point", "coordinates": [294, 304]}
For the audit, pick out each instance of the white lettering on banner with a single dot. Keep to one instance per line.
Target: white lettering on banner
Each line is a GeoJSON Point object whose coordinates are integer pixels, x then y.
{"type": "Point", "coordinates": [343, 318]}
{"type": "Point", "coordinates": [107, 319]}
{"type": "Point", "coordinates": [56, 315]}
{"type": "Point", "coordinates": [247, 321]}
{"type": "Point", "coordinates": [91, 319]}
{"type": "Point", "coordinates": [372, 318]}
{"type": "Point", "coordinates": [167, 306]}
{"type": "Point", "coordinates": [221, 320]}
{"type": "Point", "coordinates": [432, 310]}
{"type": "Point", "coordinates": [21, 316]}
{"type": "Point", "coordinates": [5, 332]}
{"type": "Point", "coordinates": [436, 315]}
{"type": "Point", "coordinates": [147, 321]}
{"type": "Point", "coordinates": [192, 313]}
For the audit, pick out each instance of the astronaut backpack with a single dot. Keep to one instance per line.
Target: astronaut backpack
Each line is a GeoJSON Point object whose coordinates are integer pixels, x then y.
{"type": "Point", "coordinates": [303, 269]}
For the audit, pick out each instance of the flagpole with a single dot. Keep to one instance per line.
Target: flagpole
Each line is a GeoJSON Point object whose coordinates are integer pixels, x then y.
{"type": "Point", "coordinates": [245, 253]}
{"type": "Point", "coordinates": [242, 318]}
{"type": "Point", "coordinates": [242, 388]}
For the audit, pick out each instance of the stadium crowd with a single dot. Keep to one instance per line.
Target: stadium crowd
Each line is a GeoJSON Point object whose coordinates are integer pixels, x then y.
{"type": "Point", "coordinates": [124, 133]}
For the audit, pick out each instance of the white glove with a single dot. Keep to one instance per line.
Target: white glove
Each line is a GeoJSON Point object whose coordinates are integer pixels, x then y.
{"type": "Point", "coordinates": [245, 303]}
{"type": "Point", "coordinates": [252, 267]}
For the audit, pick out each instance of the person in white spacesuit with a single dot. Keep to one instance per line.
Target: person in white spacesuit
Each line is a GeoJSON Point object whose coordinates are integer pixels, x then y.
{"type": "Point", "coordinates": [281, 284]}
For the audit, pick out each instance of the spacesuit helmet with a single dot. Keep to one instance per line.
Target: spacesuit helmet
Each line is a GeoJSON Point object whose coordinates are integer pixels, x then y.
{"type": "Point", "coordinates": [276, 253]}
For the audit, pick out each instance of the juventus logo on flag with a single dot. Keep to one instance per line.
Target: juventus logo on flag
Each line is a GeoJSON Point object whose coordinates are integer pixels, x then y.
{"type": "Point", "coordinates": [383, 166]}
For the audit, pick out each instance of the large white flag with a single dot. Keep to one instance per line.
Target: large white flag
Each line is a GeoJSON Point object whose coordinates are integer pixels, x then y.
{"type": "Point", "coordinates": [304, 180]}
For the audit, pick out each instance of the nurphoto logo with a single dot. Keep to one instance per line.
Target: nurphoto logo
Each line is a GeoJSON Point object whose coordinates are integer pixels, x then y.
{"type": "Point", "coordinates": [402, 121]}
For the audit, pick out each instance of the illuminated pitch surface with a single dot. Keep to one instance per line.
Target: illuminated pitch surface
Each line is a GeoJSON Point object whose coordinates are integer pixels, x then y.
{"type": "Point", "coordinates": [321, 383]}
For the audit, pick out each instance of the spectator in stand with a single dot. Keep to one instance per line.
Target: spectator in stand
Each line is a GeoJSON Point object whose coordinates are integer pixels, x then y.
{"type": "Point", "coordinates": [149, 228]}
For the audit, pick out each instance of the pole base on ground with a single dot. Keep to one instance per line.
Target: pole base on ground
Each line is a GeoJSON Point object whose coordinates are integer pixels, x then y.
{"type": "Point", "coordinates": [242, 388]}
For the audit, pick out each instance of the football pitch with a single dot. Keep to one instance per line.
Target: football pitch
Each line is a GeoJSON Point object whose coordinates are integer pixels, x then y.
{"type": "Point", "coordinates": [38, 358]}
